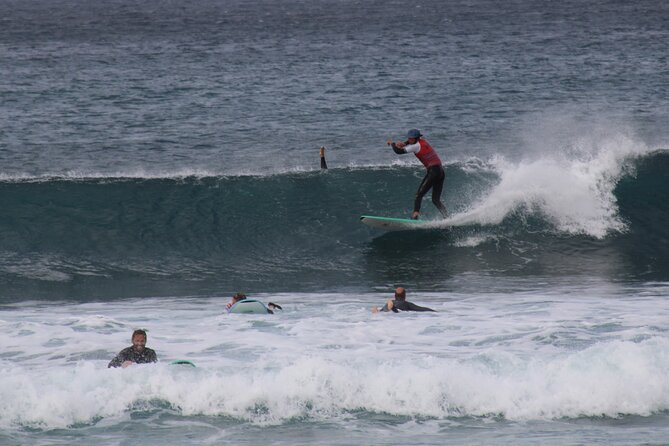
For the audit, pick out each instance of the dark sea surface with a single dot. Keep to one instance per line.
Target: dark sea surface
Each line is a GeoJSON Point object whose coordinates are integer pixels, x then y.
{"type": "Point", "coordinates": [158, 156]}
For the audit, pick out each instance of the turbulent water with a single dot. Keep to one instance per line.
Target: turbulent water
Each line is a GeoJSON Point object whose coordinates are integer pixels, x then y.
{"type": "Point", "coordinates": [159, 156]}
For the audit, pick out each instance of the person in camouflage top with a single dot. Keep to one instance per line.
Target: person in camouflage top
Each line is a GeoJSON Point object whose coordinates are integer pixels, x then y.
{"type": "Point", "coordinates": [138, 353]}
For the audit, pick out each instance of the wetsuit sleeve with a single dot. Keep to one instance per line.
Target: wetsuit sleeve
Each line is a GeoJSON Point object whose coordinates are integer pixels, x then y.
{"type": "Point", "coordinates": [413, 307]}
{"type": "Point", "coordinates": [397, 149]}
{"type": "Point", "coordinates": [152, 356]}
{"type": "Point", "coordinates": [118, 360]}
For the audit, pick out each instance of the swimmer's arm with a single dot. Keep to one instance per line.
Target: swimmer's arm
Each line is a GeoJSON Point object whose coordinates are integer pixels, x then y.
{"type": "Point", "coordinates": [324, 165]}
{"type": "Point", "coordinates": [119, 359]}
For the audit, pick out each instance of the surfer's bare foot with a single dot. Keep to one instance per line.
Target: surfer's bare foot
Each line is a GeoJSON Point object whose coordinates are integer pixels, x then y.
{"type": "Point", "coordinates": [415, 215]}
{"type": "Point", "coordinates": [375, 309]}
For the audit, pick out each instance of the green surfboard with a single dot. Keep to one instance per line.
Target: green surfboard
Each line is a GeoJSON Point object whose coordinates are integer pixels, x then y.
{"type": "Point", "coordinates": [395, 224]}
{"type": "Point", "coordinates": [182, 362]}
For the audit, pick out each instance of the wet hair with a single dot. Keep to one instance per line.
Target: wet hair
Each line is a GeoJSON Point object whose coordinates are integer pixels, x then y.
{"type": "Point", "coordinates": [138, 332]}
{"type": "Point", "coordinates": [400, 293]}
{"type": "Point", "coordinates": [239, 296]}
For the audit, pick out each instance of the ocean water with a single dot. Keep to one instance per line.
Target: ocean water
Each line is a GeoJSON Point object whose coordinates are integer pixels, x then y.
{"type": "Point", "coordinates": [159, 156]}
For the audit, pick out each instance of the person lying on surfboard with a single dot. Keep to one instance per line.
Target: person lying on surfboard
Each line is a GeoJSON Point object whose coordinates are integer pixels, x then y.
{"type": "Point", "coordinates": [434, 178]}
{"type": "Point", "coordinates": [238, 297]}
{"type": "Point", "coordinates": [400, 303]}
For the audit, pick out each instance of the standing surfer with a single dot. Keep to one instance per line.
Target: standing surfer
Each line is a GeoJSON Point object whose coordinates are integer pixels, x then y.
{"type": "Point", "coordinates": [434, 178]}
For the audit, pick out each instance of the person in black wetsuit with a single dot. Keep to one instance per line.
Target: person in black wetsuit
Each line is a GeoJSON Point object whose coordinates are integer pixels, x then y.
{"type": "Point", "coordinates": [138, 353]}
{"type": "Point", "coordinates": [324, 165]}
{"type": "Point", "coordinates": [400, 304]}
{"type": "Point", "coordinates": [434, 178]}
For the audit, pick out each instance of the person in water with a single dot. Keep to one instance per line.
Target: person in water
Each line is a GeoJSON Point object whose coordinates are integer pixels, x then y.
{"type": "Point", "coordinates": [137, 353]}
{"type": "Point", "coordinates": [434, 178]}
{"type": "Point", "coordinates": [400, 303]}
{"type": "Point", "coordinates": [324, 165]}
{"type": "Point", "coordinates": [238, 297]}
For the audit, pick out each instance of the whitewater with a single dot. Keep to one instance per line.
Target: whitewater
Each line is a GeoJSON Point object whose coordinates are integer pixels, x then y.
{"type": "Point", "coordinates": [522, 359]}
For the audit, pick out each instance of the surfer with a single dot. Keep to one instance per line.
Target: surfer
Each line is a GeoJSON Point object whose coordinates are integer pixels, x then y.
{"type": "Point", "coordinates": [137, 353]}
{"type": "Point", "coordinates": [434, 178]}
{"type": "Point", "coordinates": [400, 303]}
{"type": "Point", "coordinates": [238, 297]}
{"type": "Point", "coordinates": [324, 165]}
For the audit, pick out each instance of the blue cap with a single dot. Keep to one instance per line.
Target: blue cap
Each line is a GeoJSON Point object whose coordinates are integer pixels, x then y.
{"type": "Point", "coordinates": [414, 133]}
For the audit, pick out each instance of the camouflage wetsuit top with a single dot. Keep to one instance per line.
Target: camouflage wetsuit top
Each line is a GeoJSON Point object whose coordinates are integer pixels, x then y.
{"type": "Point", "coordinates": [129, 354]}
{"type": "Point", "coordinates": [405, 305]}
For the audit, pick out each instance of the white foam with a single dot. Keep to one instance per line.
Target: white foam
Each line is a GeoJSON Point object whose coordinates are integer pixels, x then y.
{"type": "Point", "coordinates": [522, 357]}
{"type": "Point", "coordinates": [609, 379]}
{"type": "Point", "coordinates": [571, 186]}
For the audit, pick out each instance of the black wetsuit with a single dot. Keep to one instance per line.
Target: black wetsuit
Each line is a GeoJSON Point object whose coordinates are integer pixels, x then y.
{"type": "Point", "coordinates": [434, 178]}
{"type": "Point", "coordinates": [146, 356]}
{"type": "Point", "coordinates": [405, 305]}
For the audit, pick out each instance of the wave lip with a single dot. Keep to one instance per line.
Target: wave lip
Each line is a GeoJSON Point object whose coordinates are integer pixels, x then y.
{"type": "Point", "coordinates": [574, 191]}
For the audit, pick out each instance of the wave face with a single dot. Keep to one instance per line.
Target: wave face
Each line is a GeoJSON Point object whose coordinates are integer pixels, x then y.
{"type": "Point", "coordinates": [78, 237]}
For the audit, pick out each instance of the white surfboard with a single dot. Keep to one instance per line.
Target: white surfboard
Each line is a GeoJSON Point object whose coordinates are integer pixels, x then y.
{"type": "Point", "coordinates": [249, 306]}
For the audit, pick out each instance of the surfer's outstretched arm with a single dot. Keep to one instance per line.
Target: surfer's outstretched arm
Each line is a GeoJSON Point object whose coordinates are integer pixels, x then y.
{"type": "Point", "coordinates": [324, 165]}
{"type": "Point", "coordinates": [389, 306]}
{"type": "Point", "coordinates": [397, 147]}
